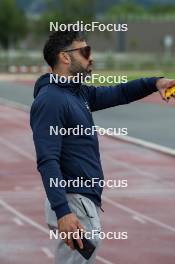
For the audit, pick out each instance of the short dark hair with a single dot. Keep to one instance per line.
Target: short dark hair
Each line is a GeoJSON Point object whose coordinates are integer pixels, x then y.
{"type": "Point", "coordinates": [57, 42]}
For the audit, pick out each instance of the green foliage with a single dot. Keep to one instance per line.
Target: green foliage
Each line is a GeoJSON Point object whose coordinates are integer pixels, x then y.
{"type": "Point", "coordinates": [162, 9]}
{"type": "Point", "coordinates": [74, 10]}
{"type": "Point", "coordinates": [65, 12]}
{"type": "Point", "coordinates": [129, 8]}
{"type": "Point", "coordinates": [123, 9]}
{"type": "Point", "coordinates": [12, 23]}
{"type": "Point", "coordinates": [41, 26]}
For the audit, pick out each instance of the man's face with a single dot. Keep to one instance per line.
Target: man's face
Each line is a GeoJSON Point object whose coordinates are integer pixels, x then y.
{"type": "Point", "coordinates": [79, 64]}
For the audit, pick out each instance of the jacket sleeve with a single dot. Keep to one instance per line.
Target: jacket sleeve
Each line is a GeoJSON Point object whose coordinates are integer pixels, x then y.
{"type": "Point", "coordinates": [46, 113]}
{"type": "Point", "coordinates": [108, 96]}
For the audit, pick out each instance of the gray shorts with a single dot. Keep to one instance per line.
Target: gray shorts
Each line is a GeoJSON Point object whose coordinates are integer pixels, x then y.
{"type": "Point", "coordinates": [89, 215]}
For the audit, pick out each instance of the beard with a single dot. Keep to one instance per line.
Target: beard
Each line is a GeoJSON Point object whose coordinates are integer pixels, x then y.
{"type": "Point", "coordinates": [77, 68]}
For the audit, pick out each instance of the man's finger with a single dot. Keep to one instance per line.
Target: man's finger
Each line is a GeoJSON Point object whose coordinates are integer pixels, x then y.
{"type": "Point", "coordinates": [70, 243]}
{"type": "Point", "coordinates": [170, 84]}
{"type": "Point", "coordinates": [80, 227]}
{"type": "Point", "coordinates": [78, 240]}
{"type": "Point", "coordinates": [162, 95]}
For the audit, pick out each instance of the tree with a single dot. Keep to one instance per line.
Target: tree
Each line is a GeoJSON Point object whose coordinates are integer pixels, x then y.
{"type": "Point", "coordinates": [13, 23]}
{"type": "Point", "coordinates": [124, 9]}
{"type": "Point", "coordinates": [162, 9]}
{"type": "Point", "coordinates": [65, 12]}
{"type": "Point", "coordinates": [74, 10]}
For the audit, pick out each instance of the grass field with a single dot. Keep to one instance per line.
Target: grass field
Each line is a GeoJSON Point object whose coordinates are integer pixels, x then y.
{"type": "Point", "coordinates": [130, 74]}
{"type": "Point", "coordinates": [136, 74]}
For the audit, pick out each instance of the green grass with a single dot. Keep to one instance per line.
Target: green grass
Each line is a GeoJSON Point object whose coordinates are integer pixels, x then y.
{"type": "Point", "coordinates": [136, 74]}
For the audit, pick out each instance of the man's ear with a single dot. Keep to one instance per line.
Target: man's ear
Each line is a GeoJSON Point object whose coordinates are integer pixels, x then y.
{"type": "Point", "coordinates": [64, 57]}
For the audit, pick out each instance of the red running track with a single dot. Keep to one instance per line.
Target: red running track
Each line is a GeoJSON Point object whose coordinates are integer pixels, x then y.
{"type": "Point", "coordinates": [145, 209]}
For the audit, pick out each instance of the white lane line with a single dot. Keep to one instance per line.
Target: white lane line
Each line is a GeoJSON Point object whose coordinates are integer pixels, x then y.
{"type": "Point", "coordinates": [144, 217]}
{"type": "Point", "coordinates": [133, 140]}
{"type": "Point", "coordinates": [35, 224]}
{"type": "Point", "coordinates": [103, 260]}
{"type": "Point", "coordinates": [18, 221]}
{"type": "Point", "coordinates": [108, 200]}
{"type": "Point", "coordinates": [146, 144]}
{"type": "Point", "coordinates": [131, 167]}
{"type": "Point", "coordinates": [139, 219]}
{"type": "Point", "coordinates": [28, 220]}
{"type": "Point", "coordinates": [47, 252]}
{"type": "Point", "coordinates": [16, 148]}
{"type": "Point", "coordinates": [29, 156]}
{"type": "Point", "coordinates": [23, 217]}
{"type": "Point", "coordinates": [14, 104]}
{"type": "Point", "coordinates": [136, 141]}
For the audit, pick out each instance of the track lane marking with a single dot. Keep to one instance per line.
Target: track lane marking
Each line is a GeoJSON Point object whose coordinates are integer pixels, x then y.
{"type": "Point", "coordinates": [134, 212]}
{"type": "Point", "coordinates": [108, 200]}
{"type": "Point", "coordinates": [16, 148]}
{"type": "Point", "coordinates": [23, 217]}
{"type": "Point", "coordinates": [143, 143]}
{"type": "Point", "coordinates": [103, 260]}
{"type": "Point", "coordinates": [133, 140]}
{"type": "Point", "coordinates": [139, 219]}
{"type": "Point", "coordinates": [126, 165]}
{"type": "Point", "coordinates": [36, 225]}
{"type": "Point", "coordinates": [47, 252]}
{"type": "Point", "coordinates": [18, 221]}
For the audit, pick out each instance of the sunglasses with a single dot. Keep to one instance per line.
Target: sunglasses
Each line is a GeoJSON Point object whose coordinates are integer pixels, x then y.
{"type": "Point", "coordinates": [85, 51]}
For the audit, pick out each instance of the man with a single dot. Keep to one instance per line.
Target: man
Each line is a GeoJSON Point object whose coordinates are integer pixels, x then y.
{"type": "Point", "coordinates": [68, 157]}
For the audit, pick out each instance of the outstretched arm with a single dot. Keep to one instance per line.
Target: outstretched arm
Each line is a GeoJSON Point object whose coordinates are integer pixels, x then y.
{"type": "Point", "coordinates": [108, 96]}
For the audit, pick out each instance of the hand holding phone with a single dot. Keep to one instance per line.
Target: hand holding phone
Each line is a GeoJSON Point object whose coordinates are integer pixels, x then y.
{"type": "Point", "coordinates": [88, 247]}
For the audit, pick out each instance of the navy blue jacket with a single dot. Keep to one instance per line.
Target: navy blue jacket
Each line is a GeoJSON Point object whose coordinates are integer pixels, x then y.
{"type": "Point", "coordinates": [71, 156]}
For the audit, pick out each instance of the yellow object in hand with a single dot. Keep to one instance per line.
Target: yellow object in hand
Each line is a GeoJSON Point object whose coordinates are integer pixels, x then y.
{"type": "Point", "coordinates": [170, 92]}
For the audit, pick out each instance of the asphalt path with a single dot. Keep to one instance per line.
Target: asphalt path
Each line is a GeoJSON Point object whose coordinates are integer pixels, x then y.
{"type": "Point", "coordinates": [147, 121]}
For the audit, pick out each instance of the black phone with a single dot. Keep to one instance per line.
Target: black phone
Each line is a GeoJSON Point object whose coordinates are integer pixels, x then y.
{"type": "Point", "coordinates": [88, 247]}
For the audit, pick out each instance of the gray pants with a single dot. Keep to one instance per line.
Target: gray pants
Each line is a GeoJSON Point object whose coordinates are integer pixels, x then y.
{"type": "Point", "coordinates": [88, 214]}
